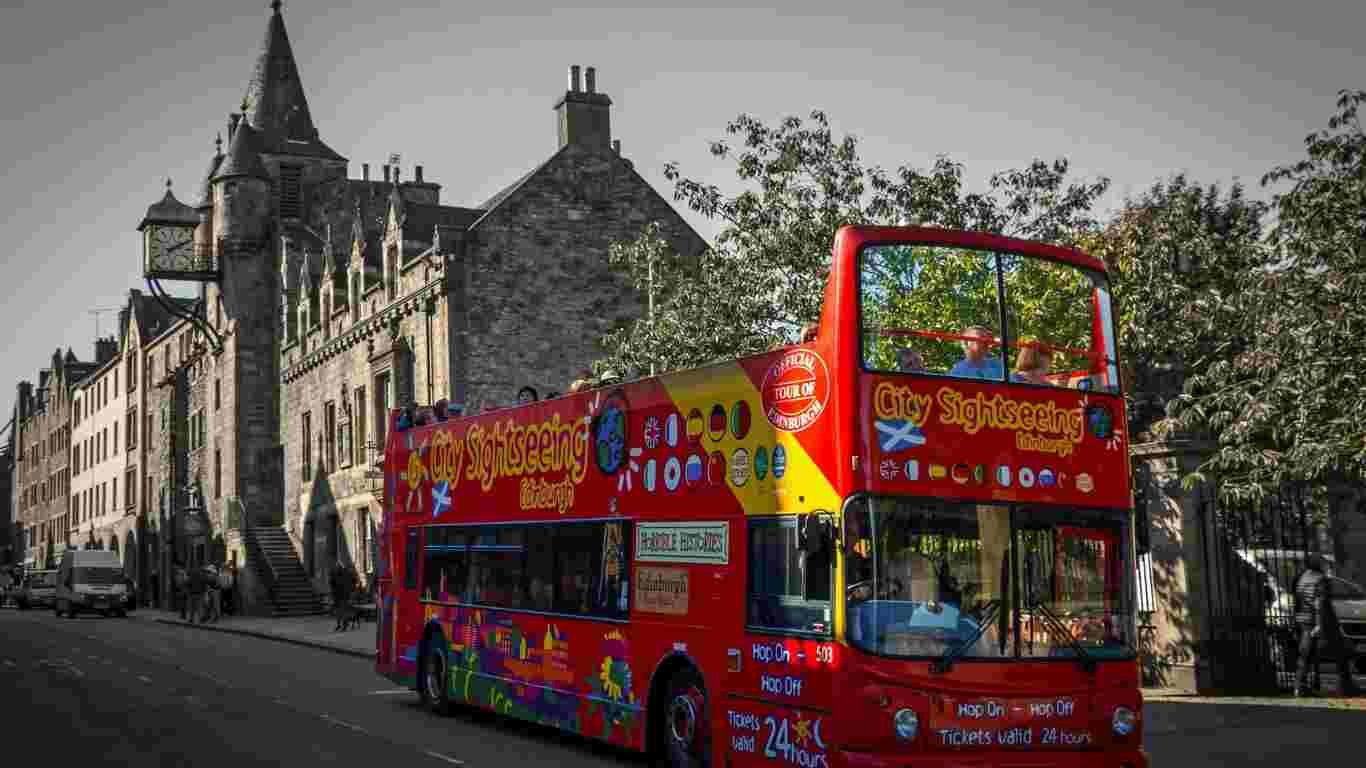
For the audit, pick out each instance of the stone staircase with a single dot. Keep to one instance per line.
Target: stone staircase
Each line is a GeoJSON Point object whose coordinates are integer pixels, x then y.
{"type": "Point", "coordinates": [270, 551]}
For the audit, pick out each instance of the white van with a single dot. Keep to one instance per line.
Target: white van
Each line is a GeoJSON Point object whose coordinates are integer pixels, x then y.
{"type": "Point", "coordinates": [90, 580]}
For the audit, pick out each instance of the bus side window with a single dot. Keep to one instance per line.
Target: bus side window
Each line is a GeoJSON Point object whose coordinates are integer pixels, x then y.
{"type": "Point", "coordinates": [787, 590]}
{"type": "Point", "coordinates": [410, 560]}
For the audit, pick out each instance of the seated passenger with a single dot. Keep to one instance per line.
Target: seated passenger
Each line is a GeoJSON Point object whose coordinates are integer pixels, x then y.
{"type": "Point", "coordinates": [1033, 364]}
{"type": "Point", "coordinates": [909, 361]}
{"type": "Point", "coordinates": [975, 363]}
{"type": "Point", "coordinates": [526, 394]}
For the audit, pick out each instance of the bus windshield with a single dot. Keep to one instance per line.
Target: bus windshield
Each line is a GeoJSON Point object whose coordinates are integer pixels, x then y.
{"type": "Point", "coordinates": [969, 313]}
{"type": "Point", "coordinates": [924, 576]}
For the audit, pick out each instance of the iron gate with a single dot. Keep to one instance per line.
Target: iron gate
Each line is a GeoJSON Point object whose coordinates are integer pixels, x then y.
{"type": "Point", "coordinates": [1252, 555]}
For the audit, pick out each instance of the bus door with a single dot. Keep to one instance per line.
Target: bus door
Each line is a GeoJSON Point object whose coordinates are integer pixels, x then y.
{"type": "Point", "coordinates": [779, 689]}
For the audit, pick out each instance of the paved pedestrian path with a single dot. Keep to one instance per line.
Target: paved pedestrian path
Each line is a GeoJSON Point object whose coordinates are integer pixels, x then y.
{"type": "Point", "coordinates": [312, 631]}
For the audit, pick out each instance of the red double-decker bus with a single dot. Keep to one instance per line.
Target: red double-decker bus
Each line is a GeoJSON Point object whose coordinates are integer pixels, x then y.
{"type": "Point", "coordinates": [907, 541]}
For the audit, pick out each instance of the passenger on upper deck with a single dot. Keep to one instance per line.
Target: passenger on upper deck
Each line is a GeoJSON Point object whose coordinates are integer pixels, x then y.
{"type": "Point", "coordinates": [1033, 364]}
{"type": "Point", "coordinates": [975, 363]}
{"type": "Point", "coordinates": [526, 395]}
{"type": "Point", "coordinates": [909, 361]}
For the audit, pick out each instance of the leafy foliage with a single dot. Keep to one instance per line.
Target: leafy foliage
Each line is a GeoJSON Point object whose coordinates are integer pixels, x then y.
{"type": "Point", "coordinates": [1288, 407]}
{"type": "Point", "coordinates": [1178, 256]}
{"type": "Point", "coordinates": [763, 278]}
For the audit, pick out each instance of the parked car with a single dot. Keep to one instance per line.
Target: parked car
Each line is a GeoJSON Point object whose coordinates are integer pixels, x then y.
{"type": "Point", "coordinates": [90, 580]}
{"type": "Point", "coordinates": [40, 589]}
{"type": "Point", "coordinates": [1349, 603]}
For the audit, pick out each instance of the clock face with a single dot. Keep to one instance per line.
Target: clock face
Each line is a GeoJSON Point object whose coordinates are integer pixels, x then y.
{"type": "Point", "coordinates": [169, 249]}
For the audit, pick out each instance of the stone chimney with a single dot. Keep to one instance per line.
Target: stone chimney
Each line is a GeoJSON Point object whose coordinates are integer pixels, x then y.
{"type": "Point", "coordinates": [417, 174]}
{"type": "Point", "coordinates": [105, 349]}
{"type": "Point", "coordinates": [24, 401]}
{"type": "Point", "coordinates": [365, 171]}
{"type": "Point", "coordinates": [386, 173]}
{"type": "Point", "coordinates": [584, 116]}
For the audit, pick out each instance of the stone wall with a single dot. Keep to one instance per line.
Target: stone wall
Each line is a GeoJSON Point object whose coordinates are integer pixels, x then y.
{"type": "Point", "coordinates": [537, 293]}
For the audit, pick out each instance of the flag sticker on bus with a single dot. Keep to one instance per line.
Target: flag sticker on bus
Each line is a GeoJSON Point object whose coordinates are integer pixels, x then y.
{"type": "Point", "coordinates": [702, 543]}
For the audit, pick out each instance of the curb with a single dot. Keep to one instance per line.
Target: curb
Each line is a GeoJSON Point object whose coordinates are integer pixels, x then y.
{"type": "Point", "coordinates": [268, 636]}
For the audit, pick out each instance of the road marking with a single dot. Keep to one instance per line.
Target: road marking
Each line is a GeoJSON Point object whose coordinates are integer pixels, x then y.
{"type": "Point", "coordinates": [440, 756]}
{"type": "Point", "coordinates": [344, 724]}
{"type": "Point", "coordinates": [9, 663]}
{"type": "Point", "coordinates": [144, 678]}
{"type": "Point", "coordinates": [395, 692]}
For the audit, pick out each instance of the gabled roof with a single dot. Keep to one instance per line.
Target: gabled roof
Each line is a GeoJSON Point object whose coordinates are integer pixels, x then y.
{"type": "Point", "coordinates": [275, 101]}
{"type": "Point", "coordinates": [497, 200]}
{"type": "Point", "coordinates": [153, 320]}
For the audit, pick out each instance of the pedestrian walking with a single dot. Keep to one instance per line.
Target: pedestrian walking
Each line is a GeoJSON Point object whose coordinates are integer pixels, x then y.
{"type": "Point", "coordinates": [181, 583]}
{"type": "Point", "coordinates": [1320, 632]}
{"type": "Point", "coordinates": [197, 587]}
{"type": "Point", "coordinates": [227, 583]}
{"type": "Point", "coordinates": [342, 581]}
{"type": "Point", "coordinates": [213, 595]}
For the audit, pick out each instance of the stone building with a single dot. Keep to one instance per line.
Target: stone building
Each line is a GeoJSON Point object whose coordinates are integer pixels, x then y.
{"type": "Point", "coordinates": [9, 535]}
{"type": "Point", "coordinates": [422, 301]}
{"type": "Point", "coordinates": [42, 438]}
{"type": "Point", "coordinates": [98, 446]}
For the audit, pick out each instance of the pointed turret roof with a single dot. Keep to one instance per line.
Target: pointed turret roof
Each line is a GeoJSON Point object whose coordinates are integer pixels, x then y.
{"type": "Point", "coordinates": [206, 191]}
{"type": "Point", "coordinates": [275, 101]}
{"type": "Point", "coordinates": [244, 156]}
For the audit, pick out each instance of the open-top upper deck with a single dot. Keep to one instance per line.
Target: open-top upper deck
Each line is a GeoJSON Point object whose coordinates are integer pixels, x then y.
{"type": "Point", "coordinates": [798, 429]}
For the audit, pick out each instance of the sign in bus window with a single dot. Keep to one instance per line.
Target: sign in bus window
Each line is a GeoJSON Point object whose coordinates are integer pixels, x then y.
{"type": "Point", "coordinates": [789, 588]}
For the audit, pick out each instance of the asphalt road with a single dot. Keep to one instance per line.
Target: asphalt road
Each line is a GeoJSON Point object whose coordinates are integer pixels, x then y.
{"type": "Point", "coordinates": [118, 691]}
{"type": "Point", "coordinates": [98, 691]}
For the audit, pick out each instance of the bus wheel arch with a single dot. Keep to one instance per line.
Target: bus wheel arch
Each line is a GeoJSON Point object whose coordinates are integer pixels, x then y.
{"type": "Point", "coordinates": [679, 707]}
{"type": "Point", "coordinates": [433, 656]}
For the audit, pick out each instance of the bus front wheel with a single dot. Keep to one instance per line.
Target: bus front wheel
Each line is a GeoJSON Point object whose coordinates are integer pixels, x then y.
{"type": "Point", "coordinates": [434, 683]}
{"type": "Point", "coordinates": [687, 741]}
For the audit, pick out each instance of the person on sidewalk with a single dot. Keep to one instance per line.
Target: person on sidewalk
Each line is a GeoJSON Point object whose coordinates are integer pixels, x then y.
{"type": "Point", "coordinates": [181, 582]}
{"type": "Point", "coordinates": [340, 583]}
{"type": "Point", "coordinates": [213, 596]}
{"type": "Point", "coordinates": [1319, 630]}
{"type": "Point", "coordinates": [195, 601]}
{"type": "Point", "coordinates": [227, 585]}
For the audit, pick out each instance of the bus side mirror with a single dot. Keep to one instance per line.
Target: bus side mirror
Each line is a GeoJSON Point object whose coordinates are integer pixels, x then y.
{"type": "Point", "coordinates": [815, 534]}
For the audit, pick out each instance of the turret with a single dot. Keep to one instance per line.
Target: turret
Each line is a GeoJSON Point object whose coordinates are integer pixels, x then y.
{"type": "Point", "coordinates": [203, 234]}
{"type": "Point", "coordinates": [241, 190]}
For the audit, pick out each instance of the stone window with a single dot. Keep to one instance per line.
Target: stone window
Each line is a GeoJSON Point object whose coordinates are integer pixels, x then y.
{"type": "Point", "coordinates": [132, 373]}
{"type": "Point", "coordinates": [307, 454]}
{"type": "Point", "coordinates": [330, 435]}
{"type": "Point", "coordinates": [130, 489]}
{"type": "Point", "coordinates": [358, 427]}
{"type": "Point", "coordinates": [132, 429]}
{"type": "Point", "coordinates": [217, 394]}
{"type": "Point", "coordinates": [217, 470]}
{"type": "Point", "coordinates": [290, 191]}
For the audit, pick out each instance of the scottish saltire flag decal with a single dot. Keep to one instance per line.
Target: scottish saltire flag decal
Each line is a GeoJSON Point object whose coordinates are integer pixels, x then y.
{"type": "Point", "coordinates": [441, 498]}
{"type": "Point", "coordinates": [898, 435]}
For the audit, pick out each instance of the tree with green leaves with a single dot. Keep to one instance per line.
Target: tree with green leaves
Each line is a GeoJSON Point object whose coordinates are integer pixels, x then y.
{"type": "Point", "coordinates": [763, 278]}
{"type": "Point", "coordinates": [1178, 256]}
{"type": "Point", "coordinates": [1289, 407]}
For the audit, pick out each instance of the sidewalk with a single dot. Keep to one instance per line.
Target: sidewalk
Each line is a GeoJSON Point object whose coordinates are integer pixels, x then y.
{"type": "Point", "coordinates": [310, 631]}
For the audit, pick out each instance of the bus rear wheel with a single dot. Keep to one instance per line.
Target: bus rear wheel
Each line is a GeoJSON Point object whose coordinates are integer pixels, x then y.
{"type": "Point", "coordinates": [687, 737]}
{"type": "Point", "coordinates": [434, 685]}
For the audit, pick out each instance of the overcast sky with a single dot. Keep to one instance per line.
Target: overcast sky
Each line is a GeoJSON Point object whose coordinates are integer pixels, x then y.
{"type": "Point", "coordinates": [101, 101]}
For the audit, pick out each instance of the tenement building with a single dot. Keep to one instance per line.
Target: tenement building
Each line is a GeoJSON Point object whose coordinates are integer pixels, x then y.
{"type": "Point", "coordinates": [42, 438]}
{"type": "Point", "coordinates": [339, 297]}
{"type": "Point", "coordinates": [98, 426]}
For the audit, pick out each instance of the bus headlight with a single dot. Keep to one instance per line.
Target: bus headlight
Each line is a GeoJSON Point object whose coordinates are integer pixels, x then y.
{"type": "Point", "coordinates": [907, 724]}
{"type": "Point", "coordinates": [1123, 721]}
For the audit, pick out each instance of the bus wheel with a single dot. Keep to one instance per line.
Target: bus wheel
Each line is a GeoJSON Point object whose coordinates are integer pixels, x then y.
{"type": "Point", "coordinates": [687, 741]}
{"type": "Point", "coordinates": [435, 672]}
